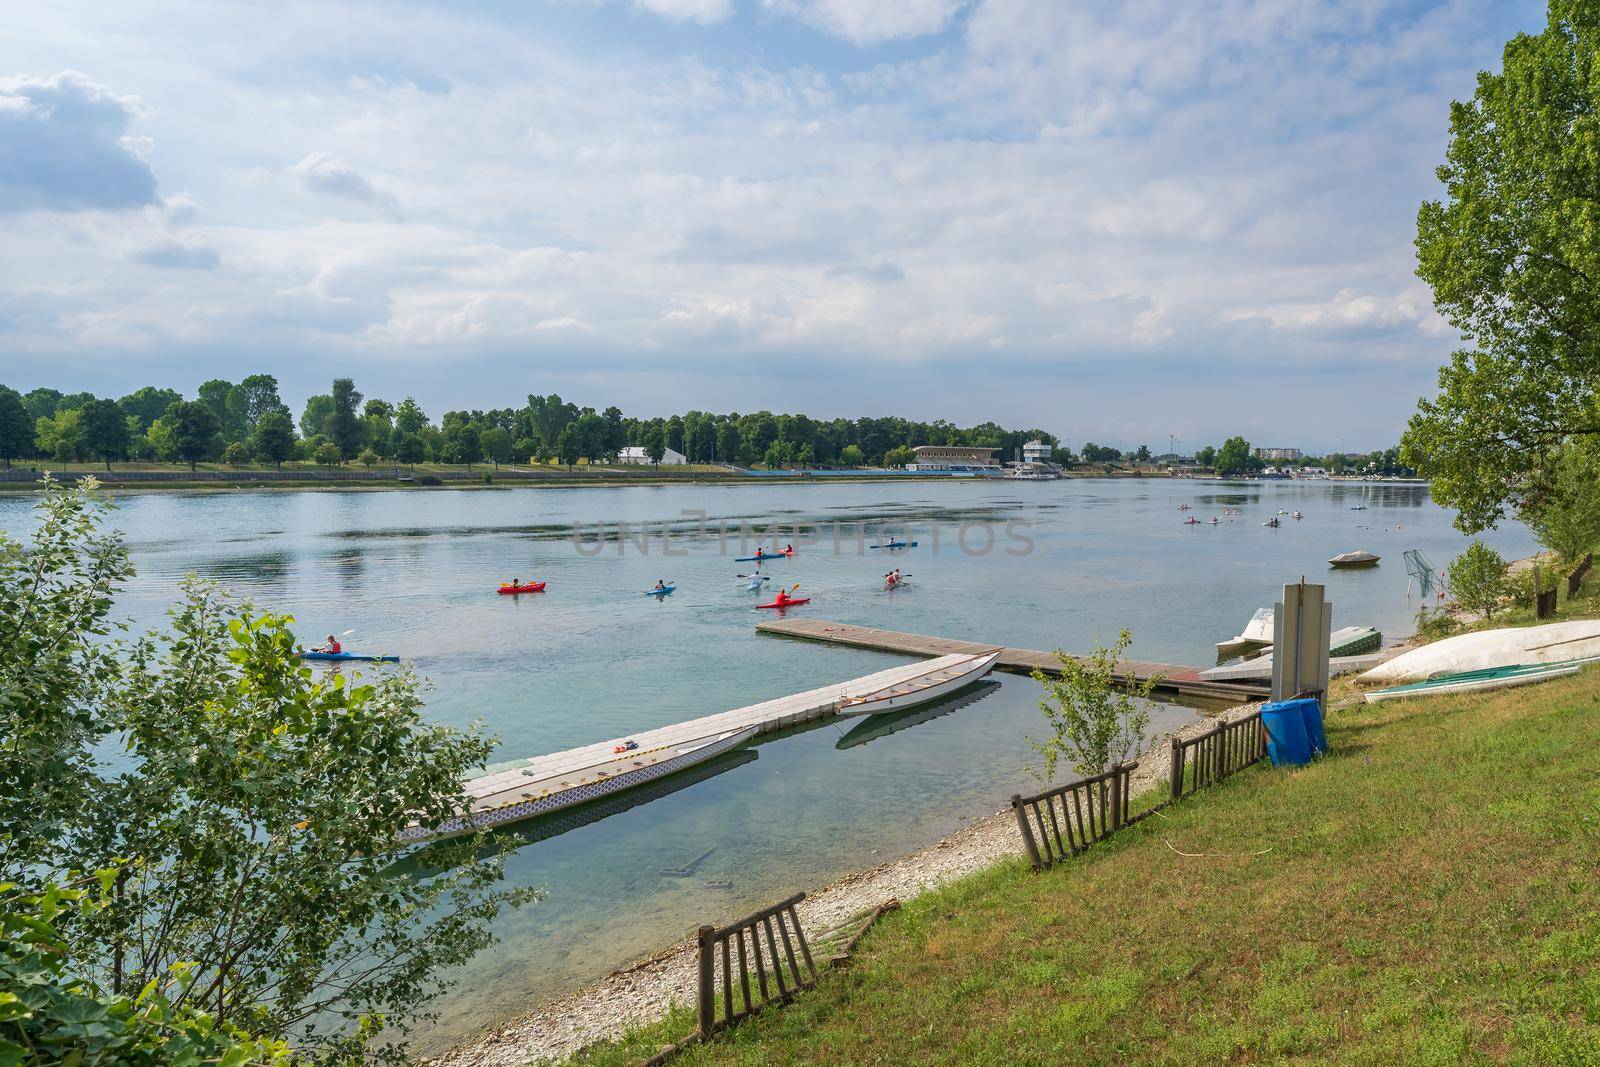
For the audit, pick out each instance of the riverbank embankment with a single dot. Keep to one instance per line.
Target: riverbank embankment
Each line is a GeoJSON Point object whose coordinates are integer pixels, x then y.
{"type": "Point", "coordinates": [644, 991]}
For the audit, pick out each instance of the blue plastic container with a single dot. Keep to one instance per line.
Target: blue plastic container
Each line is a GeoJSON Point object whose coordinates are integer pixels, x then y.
{"type": "Point", "coordinates": [1287, 742]}
{"type": "Point", "coordinates": [1311, 710]}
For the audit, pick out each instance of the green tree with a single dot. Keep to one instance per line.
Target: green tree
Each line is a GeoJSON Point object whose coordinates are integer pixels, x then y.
{"type": "Point", "coordinates": [496, 444]}
{"type": "Point", "coordinates": [1477, 579]}
{"type": "Point", "coordinates": [314, 419]}
{"type": "Point", "coordinates": [615, 438]}
{"type": "Point", "coordinates": [1142, 455]}
{"type": "Point", "coordinates": [1233, 459]}
{"type": "Point", "coordinates": [1206, 456]}
{"type": "Point", "coordinates": [149, 404]}
{"type": "Point", "coordinates": [229, 411]}
{"type": "Point", "coordinates": [1565, 518]}
{"type": "Point", "coordinates": [409, 418]}
{"type": "Point", "coordinates": [273, 439]}
{"type": "Point", "coordinates": [899, 456]}
{"type": "Point", "coordinates": [1512, 254]}
{"type": "Point", "coordinates": [161, 441]}
{"type": "Point", "coordinates": [237, 454]}
{"type": "Point", "coordinates": [344, 425]}
{"type": "Point", "coordinates": [42, 403]}
{"type": "Point", "coordinates": [259, 393]}
{"type": "Point", "coordinates": [327, 454]}
{"type": "Point", "coordinates": [105, 431]}
{"type": "Point", "coordinates": [61, 435]}
{"type": "Point", "coordinates": [410, 450]}
{"type": "Point", "coordinates": [567, 444]}
{"type": "Point", "coordinates": [655, 443]}
{"type": "Point", "coordinates": [463, 443]}
{"type": "Point", "coordinates": [1095, 722]}
{"type": "Point", "coordinates": [16, 428]}
{"type": "Point", "coordinates": [729, 445]}
{"type": "Point", "coordinates": [194, 431]}
{"type": "Point", "coordinates": [851, 456]}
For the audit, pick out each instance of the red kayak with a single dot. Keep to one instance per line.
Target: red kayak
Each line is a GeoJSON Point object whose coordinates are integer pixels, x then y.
{"type": "Point", "coordinates": [531, 587]}
{"type": "Point", "coordinates": [791, 602]}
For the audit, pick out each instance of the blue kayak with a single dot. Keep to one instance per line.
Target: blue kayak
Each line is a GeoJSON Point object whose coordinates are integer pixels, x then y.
{"type": "Point", "coordinates": [758, 559]}
{"type": "Point", "coordinates": [663, 591]}
{"type": "Point", "coordinates": [896, 544]}
{"type": "Point", "coordinates": [350, 657]}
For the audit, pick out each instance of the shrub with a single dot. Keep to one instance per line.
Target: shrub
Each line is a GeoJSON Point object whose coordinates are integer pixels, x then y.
{"type": "Point", "coordinates": [1094, 722]}
{"type": "Point", "coordinates": [328, 454]}
{"type": "Point", "coordinates": [429, 479]}
{"type": "Point", "coordinates": [368, 458]}
{"type": "Point", "coordinates": [237, 454]}
{"type": "Point", "coordinates": [1436, 624]}
{"type": "Point", "coordinates": [1477, 579]}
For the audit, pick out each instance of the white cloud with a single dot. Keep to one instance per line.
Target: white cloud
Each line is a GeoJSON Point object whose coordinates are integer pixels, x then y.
{"type": "Point", "coordinates": [64, 146]}
{"type": "Point", "coordinates": [704, 12]}
{"type": "Point", "coordinates": [322, 173]}
{"type": "Point", "coordinates": [868, 23]}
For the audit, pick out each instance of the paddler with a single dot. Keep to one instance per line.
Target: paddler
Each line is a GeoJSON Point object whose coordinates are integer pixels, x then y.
{"type": "Point", "coordinates": [661, 583]}
{"type": "Point", "coordinates": [331, 648]}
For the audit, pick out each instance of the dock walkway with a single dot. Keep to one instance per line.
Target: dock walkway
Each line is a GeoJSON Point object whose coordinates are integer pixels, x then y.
{"type": "Point", "coordinates": [501, 781]}
{"type": "Point", "coordinates": [1174, 679]}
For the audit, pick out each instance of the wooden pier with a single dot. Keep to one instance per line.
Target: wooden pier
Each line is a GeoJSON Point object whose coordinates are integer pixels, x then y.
{"type": "Point", "coordinates": [1174, 680]}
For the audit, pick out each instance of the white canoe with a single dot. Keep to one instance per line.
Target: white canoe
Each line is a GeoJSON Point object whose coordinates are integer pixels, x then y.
{"type": "Point", "coordinates": [531, 796]}
{"type": "Point", "coordinates": [1505, 647]}
{"type": "Point", "coordinates": [921, 689]}
{"type": "Point", "coordinates": [1475, 681]}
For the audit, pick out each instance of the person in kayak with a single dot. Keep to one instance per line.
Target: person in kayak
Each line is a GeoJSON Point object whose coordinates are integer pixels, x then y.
{"type": "Point", "coordinates": [788, 550]}
{"type": "Point", "coordinates": [661, 583]}
{"type": "Point", "coordinates": [331, 648]}
{"type": "Point", "coordinates": [782, 598]}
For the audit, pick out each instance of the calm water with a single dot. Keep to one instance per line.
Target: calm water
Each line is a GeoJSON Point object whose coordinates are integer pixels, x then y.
{"type": "Point", "coordinates": [413, 573]}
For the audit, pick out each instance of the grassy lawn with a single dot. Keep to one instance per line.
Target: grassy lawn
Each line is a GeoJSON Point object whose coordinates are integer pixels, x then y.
{"type": "Point", "coordinates": [1429, 893]}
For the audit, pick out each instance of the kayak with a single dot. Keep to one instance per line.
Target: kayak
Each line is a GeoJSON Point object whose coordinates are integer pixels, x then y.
{"type": "Point", "coordinates": [349, 657]}
{"type": "Point", "coordinates": [761, 556]}
{"type": "Point", "coordinates": [896, 544]}
{"type": "Point", "coordinates": [663, 591]}
{"type": "Point", "coordinates": [791, 602]}
{"type": "Point", "coordinates": [531, 587]}
{"type": "Point", "coordinates": [1476, 681]}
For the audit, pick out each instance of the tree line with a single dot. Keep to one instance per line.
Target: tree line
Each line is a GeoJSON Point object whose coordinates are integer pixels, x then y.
{"type": "Point", "coordinates": [248, 422]}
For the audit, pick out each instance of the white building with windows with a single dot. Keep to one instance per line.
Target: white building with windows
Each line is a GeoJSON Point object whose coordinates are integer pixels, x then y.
{"type": "Point", "coordinates": [636, 454]}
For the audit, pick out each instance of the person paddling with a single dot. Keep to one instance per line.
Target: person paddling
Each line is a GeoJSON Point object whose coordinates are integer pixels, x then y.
{"type": "Point", "coordinates": [661, 583]}
{"type": "Point", "coordinates": [331, 648]}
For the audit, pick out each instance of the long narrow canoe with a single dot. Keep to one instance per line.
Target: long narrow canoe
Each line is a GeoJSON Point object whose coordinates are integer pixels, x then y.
{"type": "Point", "coordinates": [349, 657]}
{"type": "Point", "coordinates": [1476, 681]}
{"type": "Point", "coordinates": [873, 727]}
{"type": "Point", "coordinates": [535, 794]}
{"type": "Point", "coordinates": [921, 689]}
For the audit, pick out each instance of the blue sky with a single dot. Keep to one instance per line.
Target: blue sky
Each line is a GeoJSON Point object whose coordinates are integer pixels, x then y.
{"type": "Point", "coordinates": [1115, 220]}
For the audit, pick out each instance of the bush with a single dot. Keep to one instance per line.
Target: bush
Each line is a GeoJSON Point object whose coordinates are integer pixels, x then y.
{"type": "Point", "coordinates": [488, 479]}
{"type": "Point", "coordinates": [1436, 624]}
{"type": "Point", "coordinates": [369, 458]}
{"type": "Point", "coordinates": [328, 454]}
{"type": "Point", "coordinates": [429, 479]}
{"type": "Point", "coordinates": [1094, 722]}
{"type": "Point", "coordinates": [1477, 579]}
{"type": "Point", "coordinates": [237, 454]}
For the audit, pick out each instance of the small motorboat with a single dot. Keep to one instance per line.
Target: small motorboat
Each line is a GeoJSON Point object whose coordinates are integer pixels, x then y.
{"type": "Point", "coordinates": [1354, 559]}
{"type": "Point", "coordinates": [507, 589]}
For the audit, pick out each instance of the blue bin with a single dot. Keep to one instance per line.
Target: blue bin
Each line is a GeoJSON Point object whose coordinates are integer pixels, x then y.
{"type": "Point", "coordinates": [1287, 742]}
{"type": "Point", "coordinates": [1312, 712]}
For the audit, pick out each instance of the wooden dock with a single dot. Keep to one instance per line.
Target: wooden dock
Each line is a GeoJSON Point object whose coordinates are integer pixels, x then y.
{"type": "Point", "coordinates": [1174, 680]}
{"type": "Point", "coordinates": [575, 767]}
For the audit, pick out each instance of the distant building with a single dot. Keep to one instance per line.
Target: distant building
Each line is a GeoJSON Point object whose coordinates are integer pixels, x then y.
{"type": "Point", "coordinates": [1311, 472]}
{"type": "Point", "coordinates": [1278, 453]}
{"type": "Point", "coordinates": [1036, 452]}
{"type": "Point", "coordinates": [954, 459]}
{"type": "Point", "coordinates": [636, 454]}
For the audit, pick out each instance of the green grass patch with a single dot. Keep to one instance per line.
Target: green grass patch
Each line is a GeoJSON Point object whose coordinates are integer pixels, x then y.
{"type": "Point", "coordinates": [1431, 894]}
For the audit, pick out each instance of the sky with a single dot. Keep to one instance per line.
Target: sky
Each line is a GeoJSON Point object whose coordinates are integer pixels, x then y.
{"type": "Point", "coordinates": [1125, 221]}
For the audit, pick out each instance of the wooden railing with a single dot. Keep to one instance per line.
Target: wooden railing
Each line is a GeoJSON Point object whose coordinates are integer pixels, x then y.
{"type": "Point", "coordinates": [1544, 603]}
{"type": "Point", "coordinates": [1090, 810]}
{"type": "Point", "coordinates": [1575, 579]}
{"type": "Point", "coordinates": [1212, 756]}
{"type": "Point", "coordinates": [779, 925]}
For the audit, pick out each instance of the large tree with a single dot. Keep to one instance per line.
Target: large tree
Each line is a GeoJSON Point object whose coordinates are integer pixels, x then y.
{"type": "Point", "coordinates": [105, 431]}
{"type": "Point", "coordinates": [194, 430]}
{"type": "Point", "coordinates": [16, 428]}
{"type": "Point", "coordinates": [345, 428]}
{"type": "Point", "coordinates": [259, 394]}
{"type": "Point", "coordinates": [148, 404]}
{"type": "Point", "coordinates": [1512, 253]}
{"type": "Point", "coordinates": [273, 438]}
{"type": "Point", "coordinates": [1233, 459]}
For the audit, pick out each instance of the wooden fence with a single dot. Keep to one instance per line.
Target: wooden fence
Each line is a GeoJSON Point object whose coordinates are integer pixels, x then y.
{"type": "Point", "coordinates": [776, 923]}
{"type": "Point", "coordinates": [1544, 603]}
{"type": "Point", "coordinates": [1575, 579]}
{"type": "Point", "coordinates": [1210, 757]}
{"type": "Point", "coordinates": [1090, 810]}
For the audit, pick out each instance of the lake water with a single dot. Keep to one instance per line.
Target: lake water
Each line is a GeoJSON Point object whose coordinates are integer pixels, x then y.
{"type": "Point", "coordinates": [414, 574]}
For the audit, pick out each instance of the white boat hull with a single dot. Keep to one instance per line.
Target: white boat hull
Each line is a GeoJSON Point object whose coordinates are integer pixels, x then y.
{"type": "Point", "coordinates": [894, 699]}
{"type": "Point", "coordinates": [1505, 647]}
{"type": "Point", "coordinates": [1475, 685]}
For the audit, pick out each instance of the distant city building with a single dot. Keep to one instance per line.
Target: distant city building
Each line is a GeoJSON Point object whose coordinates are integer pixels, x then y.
{"type": "Point", "coordinates": [954, 459]}
{"type": "Point", "coordinates": [1311, 472]}
{"type": "Point", "coordinates": [1278, 453]}
{"type": "Point", "coordinates": [636, 454]}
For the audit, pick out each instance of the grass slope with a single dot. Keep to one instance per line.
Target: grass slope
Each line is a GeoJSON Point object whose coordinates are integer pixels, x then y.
{"type": "Point", "coordinates": [1430, 893]}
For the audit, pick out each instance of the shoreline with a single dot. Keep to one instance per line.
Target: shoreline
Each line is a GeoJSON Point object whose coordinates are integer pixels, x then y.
{"type": "Point", "coordinates": [644, 990]}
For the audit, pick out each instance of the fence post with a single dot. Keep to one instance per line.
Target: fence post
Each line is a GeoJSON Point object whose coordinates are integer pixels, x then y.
{"type": "Point", "coordinates": [705, 936]}
{"type": "Point", "coordinates": [1027, 831]}
{"type": "Point", "coordinates": [1175, 771]}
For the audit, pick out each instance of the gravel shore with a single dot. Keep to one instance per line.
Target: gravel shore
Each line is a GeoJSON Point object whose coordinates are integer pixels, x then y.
{"type": "Point", "coordinates": [643, 992]}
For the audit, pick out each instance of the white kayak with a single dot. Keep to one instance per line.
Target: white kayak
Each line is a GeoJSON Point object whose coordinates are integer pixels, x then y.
{"type": "Point", "coordinates": [1509, 646]}
{"type": "Point", "coordinates": [1475, 681]}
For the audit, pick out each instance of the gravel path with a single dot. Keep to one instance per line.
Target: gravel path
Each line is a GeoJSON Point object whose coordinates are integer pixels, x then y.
{"type": "Point", "coordinates": [644, 991]}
